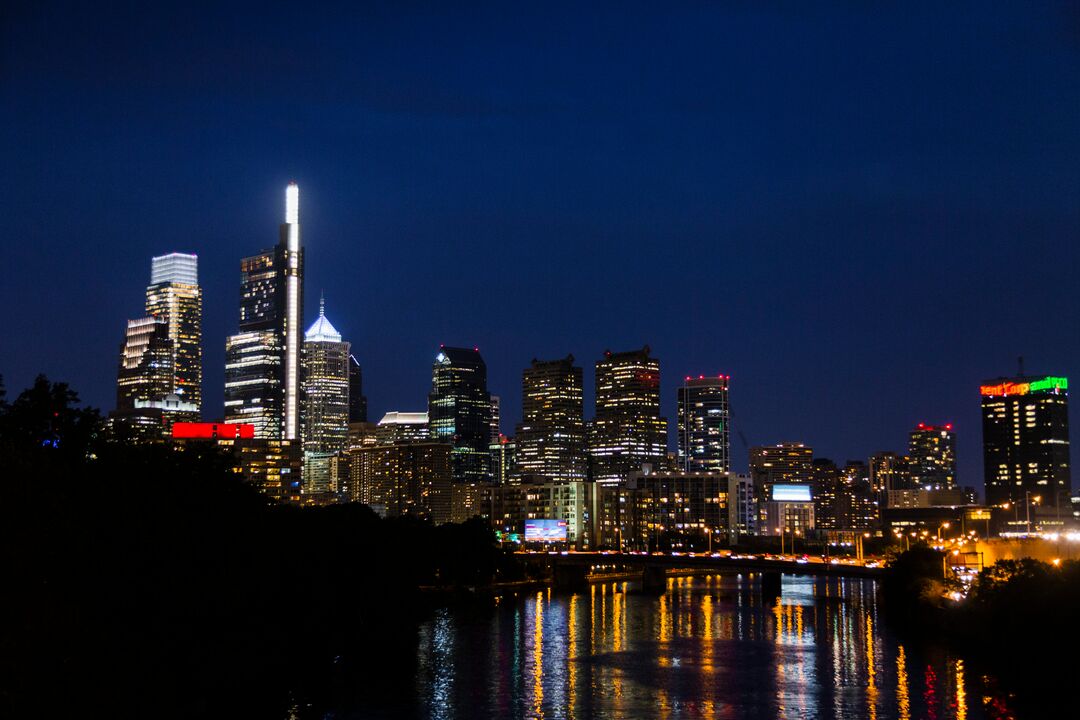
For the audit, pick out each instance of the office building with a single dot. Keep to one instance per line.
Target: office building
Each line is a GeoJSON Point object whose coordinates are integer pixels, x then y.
{"type": "Point", "coordinates": [325, 363]}
{"type": "Point", "coordinates": [889, 471]}
{"type": "Point", "coordinates": [398, 426]}
{"type": "Point", "coordinates": [504, 468]}
{"type": "Point", "coordinates": [551, 437]}
{"type": "Point", "coordinates": [495, 420]}
{"type": "Point", "coordinates": [357, 400]}
{"type": "Point", "coordinates": [253, 378]}
{"type": "Point", "coordinates": [262, 378]}
{"type": "Point", "coordinates": [459, 411]}
{"type": "Point", "coordinates": [404, 478]}
{"type": "Point", "coordinates": [1025, 425]}
{"type": "Point", "coordinates": [627, 432]}
{"type": "Point", "coordinates": [704, 420]}
{"type": "Point", "coordinates": [174, 296]}
{"type": "Point", "coordinates": [932, 453]}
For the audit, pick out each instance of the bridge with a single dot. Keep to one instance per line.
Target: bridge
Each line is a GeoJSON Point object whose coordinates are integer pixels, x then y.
{"type": "Point", "coordinates": [575, 569]}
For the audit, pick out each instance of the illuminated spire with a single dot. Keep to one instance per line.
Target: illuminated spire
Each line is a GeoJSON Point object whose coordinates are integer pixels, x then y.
{"type": "Point", "coordinates": [321, 330]}
{"type": "Point", "coordinates": [292, 203]}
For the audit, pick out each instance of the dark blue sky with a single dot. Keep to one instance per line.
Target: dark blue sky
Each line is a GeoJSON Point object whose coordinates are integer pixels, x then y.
{"type": "Point", "coordinates": [857, 211]}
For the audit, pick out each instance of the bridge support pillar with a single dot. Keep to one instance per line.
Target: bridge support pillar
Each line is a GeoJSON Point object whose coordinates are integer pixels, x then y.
{"type": "Point", "coordinates": [770, 584]}
{"type": "Point", "coordinates": [654, 578]}
{"type": "Point", "coordinates": [570, 577]}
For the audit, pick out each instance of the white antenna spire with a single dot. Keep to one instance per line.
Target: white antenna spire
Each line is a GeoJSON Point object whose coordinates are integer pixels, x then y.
{"type": "Point", "coordinates": [292, 203]}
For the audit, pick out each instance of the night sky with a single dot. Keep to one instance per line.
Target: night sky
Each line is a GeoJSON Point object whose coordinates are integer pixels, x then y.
{"type": "Point", "coordinates": [858, 210]}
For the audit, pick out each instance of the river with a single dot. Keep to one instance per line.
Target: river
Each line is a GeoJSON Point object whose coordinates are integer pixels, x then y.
{"type": "Point", "coordinates": [708, 647]}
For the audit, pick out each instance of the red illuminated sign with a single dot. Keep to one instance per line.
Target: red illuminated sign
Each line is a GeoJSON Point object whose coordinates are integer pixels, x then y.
{"type": "Point", "coordinates": [212, 431]}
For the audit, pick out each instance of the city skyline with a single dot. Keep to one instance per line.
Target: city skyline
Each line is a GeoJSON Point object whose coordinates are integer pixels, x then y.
{"type": "Point", "coordinates": [809, 246]}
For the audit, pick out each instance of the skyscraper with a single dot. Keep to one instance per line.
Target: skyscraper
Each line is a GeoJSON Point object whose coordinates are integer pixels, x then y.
{"type": "Point", "coordinates": [174, 296]}
{"type": "Point", "coordinates": [551, 437]}
{"type": "Point", "coordinates": [494, 423]}
{"type": "Point", "coordinates": [780, 464]}
{"type": "Point", "coordinates": [262, 362]}
{"type": "Point", "coordinates": [357, 401]}
{"type": "Point", "coordinates": [325, 416]}
{"type": "Point", "coordinates": [704, 424]}
{"type": "Point", "coordinates": [459, 411]}
{"type": "Point", "coordinates": [146, 372]}
{"type": "Point", "coordinates": [1025, 423]}
{"type": "Point", "coordinates": [627, 431]}
{"type": "Point", "coordinates": [932, 449]}
{"type": "Point", "coordinates": [159, 378]}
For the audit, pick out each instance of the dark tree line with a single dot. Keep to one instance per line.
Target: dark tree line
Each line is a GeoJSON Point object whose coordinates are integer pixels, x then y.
{"type": "Point", "coordinates": [1018, 619]}
{"type": "Point", "coordinates": [148, 582]}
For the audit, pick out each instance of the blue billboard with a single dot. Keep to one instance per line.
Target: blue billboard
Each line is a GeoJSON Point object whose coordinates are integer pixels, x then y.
{"type": "Point", "coordinates": [542, 530]}
{"type": "Point", "coordinates": [791, 493]}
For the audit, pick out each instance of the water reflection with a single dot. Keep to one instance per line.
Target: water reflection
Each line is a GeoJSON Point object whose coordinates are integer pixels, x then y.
{"type": "Point", "coordinates": [709, 647]}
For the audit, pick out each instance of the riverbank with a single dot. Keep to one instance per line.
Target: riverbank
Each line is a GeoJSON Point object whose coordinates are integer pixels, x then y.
{"type": "Point", "coordinates": [1017, 618]}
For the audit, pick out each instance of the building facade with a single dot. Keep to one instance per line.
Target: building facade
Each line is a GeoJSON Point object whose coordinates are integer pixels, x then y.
{"type": "Point", "coordinates": [932, 456]}
{"type": "Point", "coordinates": [704, 420]}
{"type": "Point", "coordinates": [357, 400]}
{"type": "Point", "coordinates": [627, 431]}
{"type": "Point", "coordinates": [459, 411]}
{"type": "Point", "coordinates": [1025, 425]}
{"type": "Point", "coordinates": [325, 364]}
{"type": "Point", "coordinates": [174, 296]}
{"type": "Point", "coordinates": [262, 362]}
{"type": "Point", "coordinates": [551, 437]}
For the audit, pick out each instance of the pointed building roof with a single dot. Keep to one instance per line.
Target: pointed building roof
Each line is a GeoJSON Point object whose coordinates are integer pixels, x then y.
{"type": "Point", "coordinates": [321, 330]}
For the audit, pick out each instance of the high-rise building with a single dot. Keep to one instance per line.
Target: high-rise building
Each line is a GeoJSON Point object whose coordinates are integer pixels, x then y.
{"type": "Point", "coordinates": [826, 492]}
{"type": "Point", "coordinates": [496, 431]}
{"type": "Point", "coordinates": [174, 296]}
{"type": "Point", "coordinates": [147, 366]}
{"type": "Point", "coordinates": [1025, 424]}
{"type": "Point", "coordinates": [551, 437]}
{"type": "Point", "coordinates": [932, 449]}
{"type": "Point", "coordinates": [326, 402]}
{"type": "Point", "coordinates": [262, 362]}
{"type": "Point", "coordinates": [627, 432]}
{"type": "Point", "coordinates": [357, 401]}
{"type": "Point", "coordinates": [404, 478]}
{"type": "Point", "coordinates": [397, 426]}
{"type": "Point", "coordinates": [459, 411]}
{"type": "Point", "coordinates": [253, 376]}
{"type": "Point", "coordinates": [704, 424]}
{"type": "Point", "coordinates": [504, 468]}
{"type": "Point", "coordinates": [890, 472]}
{"type": "Point", "coordinates": [783, 463]}
{"type": "Point", "coordinates": [860, 506]}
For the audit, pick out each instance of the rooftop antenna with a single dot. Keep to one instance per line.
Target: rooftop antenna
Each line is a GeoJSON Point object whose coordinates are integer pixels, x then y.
{"type": "Point", "coordinates": [1020, 363]}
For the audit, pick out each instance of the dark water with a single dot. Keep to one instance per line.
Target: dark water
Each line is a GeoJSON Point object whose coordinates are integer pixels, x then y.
{"type": "Point", "coordinates": [709, 647]}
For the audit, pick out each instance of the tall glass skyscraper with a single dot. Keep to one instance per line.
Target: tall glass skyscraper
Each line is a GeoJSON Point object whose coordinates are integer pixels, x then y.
{"type": "Point", "coordinates": [1025, 424]}
{"type": "Point", "coordinates": [551, 437]}
{"type": "Point", "coordinates": [159, 378]}
{"type": "Point", "coordinates": [459, 411]}
{"type": "Point", "coordinates": [326, 403]}
{"type": "Point", "coordinates": [262, 361]}
{"type": "Point", "coordinates": [326, 388]}
{"type": "Point", "coordinates": [174, 296]}
{"type": "Point", "coordinates": [627, 431]}
{"type": "Point", "coordinates": [704, 419]}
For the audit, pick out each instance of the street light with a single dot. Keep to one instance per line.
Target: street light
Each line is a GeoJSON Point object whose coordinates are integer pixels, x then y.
{"type": "Point", "coordinates": [1029, 499]}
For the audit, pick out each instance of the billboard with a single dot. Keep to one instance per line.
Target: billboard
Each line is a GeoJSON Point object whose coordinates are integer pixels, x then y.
{"type": "Point", "coordinates": [791, 493]}
{"type": "Point", "coordinates": [541, 530]}
{"type": "Point", "coordinates": [212, 431]}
